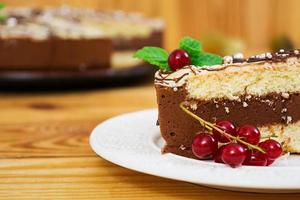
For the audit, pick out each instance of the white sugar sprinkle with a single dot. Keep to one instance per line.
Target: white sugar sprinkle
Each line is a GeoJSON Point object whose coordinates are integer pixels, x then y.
{"type": "Point", "coordinates": [226, 109]}
{"type": "Point", "coordinates": [228, 59]}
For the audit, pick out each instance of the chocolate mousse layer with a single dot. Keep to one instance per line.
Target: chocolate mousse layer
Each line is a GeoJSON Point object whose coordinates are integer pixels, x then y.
{"type": "Point", "coordinates": [70, 38]}
{"type": "Point", "coordinates": [55, 53]}
{"type": "Point", "coordinates": [178, 129]}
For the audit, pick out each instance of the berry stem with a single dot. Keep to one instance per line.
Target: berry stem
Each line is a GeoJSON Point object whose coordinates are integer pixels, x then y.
{"type": "Point", "coordinates": [211, 126]}
{"type": "Point", "coordinates": [269, 136]}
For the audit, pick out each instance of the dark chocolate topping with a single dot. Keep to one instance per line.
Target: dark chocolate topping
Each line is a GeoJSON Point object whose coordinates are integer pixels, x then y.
{"type": "Point", "coordinates": [280, 56]}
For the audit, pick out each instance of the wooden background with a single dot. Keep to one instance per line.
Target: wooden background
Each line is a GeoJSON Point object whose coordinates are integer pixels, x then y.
{"type": "Point", "coordinates": [255, 21]}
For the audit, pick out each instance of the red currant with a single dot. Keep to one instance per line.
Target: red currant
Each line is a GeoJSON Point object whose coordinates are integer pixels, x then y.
{"type": "Point", "coordinates": [256, 158]}
{"type": "Point", "coordinates": [226, 126]}
{"type": "Point", "coordinates": [249, 134]}
{"type": "Point", "coordinates": [234, 154]}
{"type": "Point", "coordinates": [204, 145]}
{"type": "Point", "coordinates": [178, 59]}
{"type": "Point", "coordinates": [218, 155]}
{"type": "Point", "coordinates": [272, 148]}
{"type": "Point", "coordinates": [270, 162]}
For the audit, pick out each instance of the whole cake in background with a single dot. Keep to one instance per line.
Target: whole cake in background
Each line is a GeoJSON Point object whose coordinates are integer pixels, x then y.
{"type": "Point", "coordinates": [73, 38]}
{"type": "Point", "coordinates": [234, 110]}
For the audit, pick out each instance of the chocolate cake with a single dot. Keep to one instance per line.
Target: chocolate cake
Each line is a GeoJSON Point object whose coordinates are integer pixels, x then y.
{"type": "Point", "coordinates": [73, 38]}
{"type": "Point", "coordinates": [263, 90]}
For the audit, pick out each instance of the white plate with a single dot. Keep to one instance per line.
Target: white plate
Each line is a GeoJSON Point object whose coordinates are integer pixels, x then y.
{"type": "Point", "coordinates": [133, 141]}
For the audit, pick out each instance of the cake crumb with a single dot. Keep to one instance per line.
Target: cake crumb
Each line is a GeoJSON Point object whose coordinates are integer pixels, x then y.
{"type": "Point", "coordinates": [182, 147]}
{"type": "Point", "coordinates": [238, 56]}
{"type": "Point", "coordinates": [285, 95]}
{"type": "Point", "coordinates": [226, 109]}
{"type": "Point", "coordinates": [284, 110]}
{"type": "Point", "coordinates": [193, 106]}
{"type": "Point", "coordinates": [248, 97]}
{"type": "Point", "coordinates": [289, 119]}
{"type": "Point", "coordinates": [245, 104]}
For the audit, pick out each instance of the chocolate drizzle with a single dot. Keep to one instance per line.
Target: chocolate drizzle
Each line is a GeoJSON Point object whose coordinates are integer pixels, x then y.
{"type": "Point", "coordinates": [280, 56]}
{"type": "Point", "coordinates": [180, 77]}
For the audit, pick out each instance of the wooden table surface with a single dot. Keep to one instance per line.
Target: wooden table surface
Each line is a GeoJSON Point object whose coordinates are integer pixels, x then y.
{"type": "Point", "coordinates": [45, 154]}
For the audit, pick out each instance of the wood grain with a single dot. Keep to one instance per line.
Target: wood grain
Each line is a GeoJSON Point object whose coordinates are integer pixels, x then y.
{"type": "Point", "coordinates": [93, 178]}
{"type": "Point", "coordinates": [83, 105]}
{"type": "Point", "coordinates": [255, 21]}
{"type": "Point", "coordinates": [59, 124]}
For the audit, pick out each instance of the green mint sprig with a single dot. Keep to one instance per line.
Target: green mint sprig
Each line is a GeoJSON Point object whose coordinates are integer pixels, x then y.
{"type": "Point", "coordinates": [191, 46]}
{"type": "Point", "coordinates": [198, 57]}
{"type": "Point", "coordinates": [2, 16]}
{"type": "Point", "coordinates": [159, 57]}
{"type": "Point", "coordinates": [155, 56]}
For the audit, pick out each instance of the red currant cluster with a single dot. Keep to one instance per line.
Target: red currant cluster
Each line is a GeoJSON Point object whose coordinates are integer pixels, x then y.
{"type": "Point", "coordinates": [235, 146]}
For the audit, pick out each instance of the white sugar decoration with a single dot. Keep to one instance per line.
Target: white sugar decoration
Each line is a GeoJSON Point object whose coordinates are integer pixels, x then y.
{"type": "Point", "coordinates": [228, 59]}
{"type": "Point", "coordinates": [261, 56]}
{"type": "Point", "coordinates": [269, 55]}
{"type": "Point", "coordinates": [245, 104]}
{"type": "Point", "coordinates": [281, 51]}
{"type": "Point", "coordinates": [296, 51]}
{"type": "Point", "coordinates": [238, 56]}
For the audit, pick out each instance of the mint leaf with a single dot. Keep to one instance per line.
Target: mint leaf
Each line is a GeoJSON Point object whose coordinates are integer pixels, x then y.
{"type": "Point", "coordinates": [2, 17]}
{"type": "Point", "coordinates": [2, 6]}
{"type": "Point", "coordinates": [207, 59]}
{"type": "Point", "coordinates": [155, 56]}
{"type": "Point", "coordinates": [191, 46]}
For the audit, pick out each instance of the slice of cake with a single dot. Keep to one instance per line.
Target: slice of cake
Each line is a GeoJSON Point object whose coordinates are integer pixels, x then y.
{"type": "Point", "coordinates": [263, 90]}
{"type": "Point", "coordinates": [69, 38]}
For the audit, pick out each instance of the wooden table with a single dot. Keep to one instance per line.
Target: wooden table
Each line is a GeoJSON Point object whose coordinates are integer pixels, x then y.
{"type": "Point", "coordinates": [45, 152]}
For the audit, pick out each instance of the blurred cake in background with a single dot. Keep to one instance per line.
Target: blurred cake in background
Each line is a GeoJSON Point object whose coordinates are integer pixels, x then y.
{"type": "Point", "coordinates": [74, 38]}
